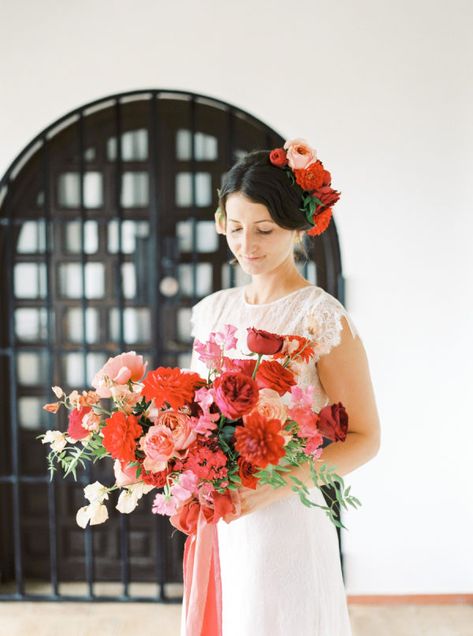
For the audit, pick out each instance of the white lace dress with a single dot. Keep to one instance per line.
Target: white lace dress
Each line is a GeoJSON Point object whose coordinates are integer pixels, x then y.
{"type": "Point", "coordinates": [280, 565]}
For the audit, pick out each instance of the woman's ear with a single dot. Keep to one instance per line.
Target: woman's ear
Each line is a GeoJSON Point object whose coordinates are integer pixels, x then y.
{"type": "Point", "coordinates": [220, 221]}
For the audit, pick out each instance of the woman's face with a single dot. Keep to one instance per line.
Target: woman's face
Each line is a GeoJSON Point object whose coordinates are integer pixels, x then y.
{"type": "Point", "coordinates": [259, 243]}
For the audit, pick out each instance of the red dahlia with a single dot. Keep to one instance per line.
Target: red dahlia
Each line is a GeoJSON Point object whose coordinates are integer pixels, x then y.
{"type": "Point", "coordinates": [259, 440]}
{"type": "Point", "coordinates": [119, 435]}
{"type": "Point", "coordinates": [171, 385]}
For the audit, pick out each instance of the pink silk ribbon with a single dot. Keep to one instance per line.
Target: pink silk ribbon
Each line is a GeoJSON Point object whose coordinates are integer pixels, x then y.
{"type": "Point", "coordinates": [202, 582]}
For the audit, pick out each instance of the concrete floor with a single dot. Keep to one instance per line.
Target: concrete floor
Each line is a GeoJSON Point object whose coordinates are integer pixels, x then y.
{"type": "Point", "coordinates": [119, 619]}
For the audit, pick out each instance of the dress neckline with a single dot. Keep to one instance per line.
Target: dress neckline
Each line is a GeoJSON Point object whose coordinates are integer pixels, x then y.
{"type": "Point", "coordinates": [272, 302]}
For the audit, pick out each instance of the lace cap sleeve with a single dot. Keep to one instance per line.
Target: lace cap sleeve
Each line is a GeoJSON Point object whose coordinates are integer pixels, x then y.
{"type": "Point", "coordinates": [323, 323]}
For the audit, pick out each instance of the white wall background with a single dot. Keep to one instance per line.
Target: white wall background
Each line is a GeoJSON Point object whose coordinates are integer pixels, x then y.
{"type": "Point", "coordinates": [384, 91]}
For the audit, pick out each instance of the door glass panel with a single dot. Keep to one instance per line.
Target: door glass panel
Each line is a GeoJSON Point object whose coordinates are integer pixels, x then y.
{"type": "Point", "coordinates": [73, 368]}
{"type": "Point", "coordinates": [128, 280]}
{"type": "Point", "coordinates": [70, 280]}
{"type": "Point", "coordinates": [31, 324]}
{"type": "Point", "coordinates": [30, 280]}
{"type": "Point", "coordinates": [136, 325]}
{"type": "Point", "coordinates": [134, 146]}
{"type": "Point", "coordinates": [74, 324]}
{"type": "Point", "coordinates": [205, 146]}
{"type": "Point", "coordinates": [134, 190]}
{"type": "Point", "coordinates": [69, 190]}
{"type": "Point", "coordinates": [203, 189]}
{"type": "Point", "coordinates": [183, 324]}
{"type": "Point", "coordinates": [203, 279]}
{"type": "Point", "coordinates": [132, 232]}
{"type": "Point", "coordinates": [32, 367]}
{"type": "Point", "coordinates": [31, 414]}
{"type": "Point", "coordinates": [73, 237]}
{"type": "Point", "coordinates": [32, 237]}
{"type": "Point", "coordinates": [206, 236]}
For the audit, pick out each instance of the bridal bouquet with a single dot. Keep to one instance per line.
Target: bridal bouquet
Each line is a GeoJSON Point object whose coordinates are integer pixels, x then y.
{"type": "Point", "coordinates": [199, 439]}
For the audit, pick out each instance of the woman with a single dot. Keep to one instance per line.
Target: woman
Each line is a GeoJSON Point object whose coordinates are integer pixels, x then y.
{"type": "Point", "coordinates": [280, 566]}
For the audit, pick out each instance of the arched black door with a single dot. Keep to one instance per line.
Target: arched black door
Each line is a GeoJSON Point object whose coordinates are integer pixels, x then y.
{"type": "Point", "coordinates": [106, 241]}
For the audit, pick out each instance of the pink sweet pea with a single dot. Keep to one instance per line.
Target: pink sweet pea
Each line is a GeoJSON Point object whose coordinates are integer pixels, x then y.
{"type": "Point", "coordinates": [226, 338]}
{"type": "Point", "coordinates": [209, 352]}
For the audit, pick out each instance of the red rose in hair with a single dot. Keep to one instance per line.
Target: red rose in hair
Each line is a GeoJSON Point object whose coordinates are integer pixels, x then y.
{"type": "Point", "coordinates": [119, 435]}
{"type": "Point", "coordinates": [327, 196]}
{"type": "Point", "coordinates": [263, 342]}
{"type": "Point", "coordinates": [322, 221]}
{"type": "Point", "coordinates": [171, 385]}
{"type": "Point", "coordinates": [235, 394]}
{"type": "Point", "coordinates": [333, 422]}
{"type": "Point", "coordinates": [75, 428]}
{"type": "Point", "coordinates": [278, 157]}
{"type": "Point", "coordinates": [259, 440]}
{"type": "Point", "coordinates": [311, 178]}
{"type": "Point", "coordinates": [246, 473]}
{"type": "Point", "coordinates": [272, 375]}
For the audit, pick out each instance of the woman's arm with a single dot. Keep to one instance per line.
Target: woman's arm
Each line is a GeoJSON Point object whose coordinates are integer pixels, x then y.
{"type": "Point", "coordinates": [344, 374]}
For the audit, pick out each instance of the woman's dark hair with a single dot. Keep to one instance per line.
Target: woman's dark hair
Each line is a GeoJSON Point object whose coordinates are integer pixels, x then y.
{"type": "Point", "coordinates": [262, 182]}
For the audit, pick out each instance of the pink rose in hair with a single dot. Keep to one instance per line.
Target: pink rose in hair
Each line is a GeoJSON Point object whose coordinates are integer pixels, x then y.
{"type": "Point", "coordinates": [299, 154]}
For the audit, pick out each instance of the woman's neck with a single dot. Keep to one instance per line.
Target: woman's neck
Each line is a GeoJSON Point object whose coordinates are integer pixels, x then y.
{"type": "Point", "coordinates": [265, 288]}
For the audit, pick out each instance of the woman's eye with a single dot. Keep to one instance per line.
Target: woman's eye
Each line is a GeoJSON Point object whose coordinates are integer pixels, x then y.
{"type": "Point", "coordinates": [259, 231]}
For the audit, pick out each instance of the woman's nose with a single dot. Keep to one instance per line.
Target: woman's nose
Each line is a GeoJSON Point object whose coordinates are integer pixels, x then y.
{"type": "Point", "coordinates": [247, 243]}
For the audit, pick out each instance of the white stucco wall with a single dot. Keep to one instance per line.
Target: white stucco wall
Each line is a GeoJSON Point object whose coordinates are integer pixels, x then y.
{"type": "Point", "coordinates": [383, 90]}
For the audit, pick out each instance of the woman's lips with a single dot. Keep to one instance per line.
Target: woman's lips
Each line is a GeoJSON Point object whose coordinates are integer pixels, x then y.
{"type": "Point", "coordinates": [252, 258]}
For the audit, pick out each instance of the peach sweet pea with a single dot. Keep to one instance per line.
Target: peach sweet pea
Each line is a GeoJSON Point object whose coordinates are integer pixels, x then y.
{"type": "Point", "coordinates": [180, 426]}
{"type": "Point", "coordinates": [118, 370]}
{"type": "Point", "coordinates": [299, 154]}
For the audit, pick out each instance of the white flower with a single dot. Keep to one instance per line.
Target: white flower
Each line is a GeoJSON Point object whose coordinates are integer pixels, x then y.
{"type": "Point", "coordinates": [95, 512]}
{"type": "Point", "coordinates": [57, 440]}
{"type": "Point", "coordinates": [58, 392]}
{"type": "Point", "coordinates": [129, 497]}
{"type": "Point", "coordinates": [96, 492]}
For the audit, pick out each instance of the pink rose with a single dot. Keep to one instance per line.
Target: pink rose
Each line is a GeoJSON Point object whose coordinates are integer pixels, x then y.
{"type": "Point", "coordinates": [158, 447]}
{"type": "Point", "coordinates": [180, 426]}
{"type": "Point", "coordinates": [125, 473]}
{"type": "Point", "coordinates": [299, 154]}
{"type": "Point", "coordinates": [118, 370]}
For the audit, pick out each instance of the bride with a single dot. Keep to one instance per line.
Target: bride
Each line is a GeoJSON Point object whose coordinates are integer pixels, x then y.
{"type": "Point", "coordinates": [279, 560]}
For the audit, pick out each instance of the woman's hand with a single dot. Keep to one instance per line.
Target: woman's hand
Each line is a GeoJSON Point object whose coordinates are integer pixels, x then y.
{"type": "Point", "coordinates": [251, 500]}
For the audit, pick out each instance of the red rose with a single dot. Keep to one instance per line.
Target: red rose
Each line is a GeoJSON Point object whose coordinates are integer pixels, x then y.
{"type": "Point", "coordinates": [186, 516]}
{"type": "Point", "coordinates": [119, 435]}
{"type": "Point", "coordinates": [246, 473]}
{"type": "Point", "coordinates": [278, 157]}
{"type": "Point", "coordinates": [327, 196]}
{"type": "Point", "coordinates": [263, 342]}
{"type": "Point", "coordinates": [272, 375]}
{"type": "Point", "coordinates": [333, 422]}
{"type": "Point", "coordinates": [75, 428]}
{"type": "Point", "coordinates": [235, 394]}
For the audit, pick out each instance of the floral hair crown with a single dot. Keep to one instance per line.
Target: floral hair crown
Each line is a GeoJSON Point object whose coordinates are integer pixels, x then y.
{"type": "Point", "coordinates": [301, 165]}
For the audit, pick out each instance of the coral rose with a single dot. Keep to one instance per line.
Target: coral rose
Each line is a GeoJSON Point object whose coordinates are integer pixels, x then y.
{"type": "Point", "coordinates": [272, 375]}
{"type": "Point", "coordinates": [263, 342]}
{"type": "Point", "coordinates": [299, 153]}
{"type": "Point", "coordinates": [158, 447]}
{"type": "Point", "coordinates": [180, 425]}
{"type": "Point", "coordinates": [235, 394]}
